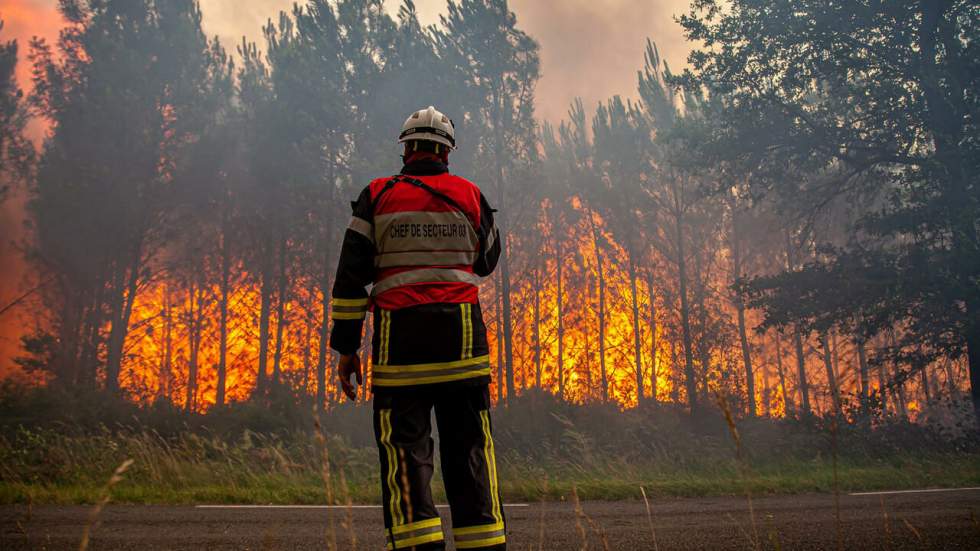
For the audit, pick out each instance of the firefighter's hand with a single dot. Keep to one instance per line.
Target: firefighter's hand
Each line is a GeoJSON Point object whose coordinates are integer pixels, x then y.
{"type": "Point", "coordinates": [349, 364]}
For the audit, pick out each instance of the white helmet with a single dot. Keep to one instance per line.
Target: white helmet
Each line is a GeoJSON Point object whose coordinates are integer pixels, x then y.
{"type": "Point", "coordinates": [431, 125]}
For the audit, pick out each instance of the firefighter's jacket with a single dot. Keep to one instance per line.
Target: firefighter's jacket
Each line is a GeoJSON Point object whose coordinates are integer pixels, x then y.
{"type": "Point", "coordinates": [421, 240]}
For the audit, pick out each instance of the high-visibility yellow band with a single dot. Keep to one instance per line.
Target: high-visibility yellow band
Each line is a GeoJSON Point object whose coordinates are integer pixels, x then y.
{"type": "Point", "coordinates": [491, 466]}
{"type": "Point", "coordinates": [466, 530]}
{"type": "Point", "coordinates": [418, 540]}
{"type": "Point", "coordinates": [385, 338]}
{"type": "Point", "coordinates": [466, 310]}
{"type": "Point", "coordinates": [481, 543]}
{"type": "Point", "coordinates": [349, 301]}
{"type": "Point", "coordinates": [348, 315]}
{"type": "Point", "coordinates": [431, 380]}
{"type": "Point", "coordinates": [393, 488]}
{"type": "Point", "coordinates": [381, 368]}
{"type": "Point", "coordinates": [412, 526]}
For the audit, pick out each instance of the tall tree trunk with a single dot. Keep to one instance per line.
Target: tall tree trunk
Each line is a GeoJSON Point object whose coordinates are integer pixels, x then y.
{"type": "Point", "coordinates": [502, 224]}
{"type": "Point", "coordinates": [82, 345]}
{"type": "Point", "coordinates": [71, 328]}
{"type": "Point", "coordinates": [501, 369]}
{"type": "Point", "coordinates": [508, 334]}
{"type": "Point", "coordinates": [689, 377]}
{"type": "Point", "coordinates": [219, 399]}
{"type": "Point", "coordinates": [166, 371]}
{"type": "Point", "coordinates": [537, 328]}
{"type": "Point", "coordinates": [637, 358]}
{"type": "Point", "coordinates": [559, 261]}
{"type": "Point", "coordinates": [883, 388]}
{"type": "Point", "coordinates": [788, 406]}
{"type": "Point", "coordinates": [924, 378]}
{"type": "Point", "coordinates": [168, 352]}
{"type": "Point", "coordinates": [654, 363]}
{"type": "Point", "coordinates": [283, 293]}
{"type": "Point", "coordinates": [321, 358]}
{"type": "Point", "coordinates": [831, 376]}
{"type": "Point", "coordinates": [863, 373]}
{"type": "Point", "coordinates": [898, 382]}
{"type": "Point", "coordinates": [588, 341]}
{"type": "Point", "coordinates": [899, 392]}
{"type": "Point", "coordinates": [673, 361]}
{"type": "Point", "coordinates": [307, 361]}
{"type": "Point", "coordinates": [120, 323]}
{"type": "Point", "coordinates": [954, 391]}
{"type": "Point", "coordinates": [746, 357]}
{"type": "Point", "coordinates": [193, 342]}
{"type": "Point", "coordinates": [740, 309]}
{"type": "Point", "coordinates": [804, 386]}
{"type": "Point", "coordinates": [766, 391]}
{"type": "Point", "coordinates": [704, 351]}
{"type": "Point", "coordinates": [265, 307]}
{"type": "Point", "coordinates": [601, 276]}
{"type": "Point", "coordinates": [835, 355]}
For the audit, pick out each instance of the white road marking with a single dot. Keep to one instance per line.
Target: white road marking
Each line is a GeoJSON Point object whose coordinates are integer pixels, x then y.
{"type": "Point", "coordinates": [320, 506]}
{"type": "Point", "coordinates": [925, 491]}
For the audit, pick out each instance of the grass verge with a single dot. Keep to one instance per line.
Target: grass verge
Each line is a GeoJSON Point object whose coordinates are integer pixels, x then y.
{"type": "Point", "coordinates": [52, 468]}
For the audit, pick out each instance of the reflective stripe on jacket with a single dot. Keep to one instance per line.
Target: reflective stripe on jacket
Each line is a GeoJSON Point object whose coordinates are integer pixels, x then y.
{"type": "Point", "coordinates": [421, 240]}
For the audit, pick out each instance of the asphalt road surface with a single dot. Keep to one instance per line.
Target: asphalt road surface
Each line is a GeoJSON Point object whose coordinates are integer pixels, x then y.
{"type": "Point", "coordinates": [928, 520]}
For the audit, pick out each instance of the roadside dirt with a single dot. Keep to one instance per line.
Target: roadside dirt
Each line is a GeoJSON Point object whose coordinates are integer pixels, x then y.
{"type": "Point", "coordinates": [948, 520]}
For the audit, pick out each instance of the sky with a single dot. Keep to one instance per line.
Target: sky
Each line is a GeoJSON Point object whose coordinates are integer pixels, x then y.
{"type": "Point", "coordinates": [589, 48]}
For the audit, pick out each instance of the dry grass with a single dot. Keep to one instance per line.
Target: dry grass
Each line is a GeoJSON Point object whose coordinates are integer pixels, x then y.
{"type": "Point", "coordinates": [93, 518]}
{"type": "Point", "coordinates": [63, 465]}
{"type": "Point", "coordinates": [653, 533]}
{"type": "Point", "coordinates": [743, 469]}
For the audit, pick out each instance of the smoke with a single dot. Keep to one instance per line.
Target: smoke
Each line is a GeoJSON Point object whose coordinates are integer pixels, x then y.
{"type": "Point", "coordinates": [593, 49]}
{"type": "Point", "coordinates": [589, 49]}
{"type": "Point", "coordinates": [23, 19]}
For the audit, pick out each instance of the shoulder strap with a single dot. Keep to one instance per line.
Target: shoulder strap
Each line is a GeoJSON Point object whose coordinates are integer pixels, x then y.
{"type": "Point", "coordinates": [421, 185]}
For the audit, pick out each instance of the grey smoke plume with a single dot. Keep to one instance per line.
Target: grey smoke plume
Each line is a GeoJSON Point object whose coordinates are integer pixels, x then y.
{"type": "Point", "coordinates": [589, 48]}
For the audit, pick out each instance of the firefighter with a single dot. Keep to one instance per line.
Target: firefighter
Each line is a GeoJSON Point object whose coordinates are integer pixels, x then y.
{"type": "Point", "coordinates": [422, 239]}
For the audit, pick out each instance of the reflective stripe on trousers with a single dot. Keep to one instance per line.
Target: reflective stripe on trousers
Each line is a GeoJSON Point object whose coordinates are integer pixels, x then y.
{"type": "Point", "coordinates": [424, 275]}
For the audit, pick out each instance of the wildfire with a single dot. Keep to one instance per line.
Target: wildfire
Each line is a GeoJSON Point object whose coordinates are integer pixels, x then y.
{"type": "Point", "coordinates": [175, 329]}
{"type": "Point", "coordinates": [572, 316]}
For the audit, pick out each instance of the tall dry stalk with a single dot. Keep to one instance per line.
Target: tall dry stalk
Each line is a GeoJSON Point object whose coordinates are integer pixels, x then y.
{"type": "Point", "coordinates": [596, 529]}
{"type": "Point", "coordinates": [833, 453]}
{"type": "Point", "coordinates": [348, 511]}
{"type": "Point", "coordinates": [743, 467]}
{"type": "Point", "coordinates": [773, 535]}
{"type": "Point", "coordinates": [653, 533]}
{"type": "Point", "coordinates": [93, 517]}
{"type": "Point", "coordinates": [914, 530]}
{"type": "Point", "coordinates": [327, 481]}
{"type": "Point", "coordinates": [579, 514]}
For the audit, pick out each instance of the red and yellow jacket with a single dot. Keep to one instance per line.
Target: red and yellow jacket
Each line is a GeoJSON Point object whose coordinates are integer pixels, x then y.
{"type": "Point", "coordinates": [422, 240]}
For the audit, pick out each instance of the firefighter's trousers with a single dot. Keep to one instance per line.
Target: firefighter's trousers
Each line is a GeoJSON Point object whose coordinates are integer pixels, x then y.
{"type": "Point", "coordinates": [403, 428]}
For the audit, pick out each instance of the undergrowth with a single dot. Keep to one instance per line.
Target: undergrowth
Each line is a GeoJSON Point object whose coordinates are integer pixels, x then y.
{"type": "Point", "coordinates": [268, 453]}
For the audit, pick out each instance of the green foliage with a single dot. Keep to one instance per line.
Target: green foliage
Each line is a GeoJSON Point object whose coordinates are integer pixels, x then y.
{"type": "Point", "coordinates": [16, 153]}
{"type": "Point", "coordinates": [868, 109]}
{"type": "Point", "coordinates": [260, 454]}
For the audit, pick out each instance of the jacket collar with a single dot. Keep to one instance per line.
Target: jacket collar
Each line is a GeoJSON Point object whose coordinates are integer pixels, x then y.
{"type": "Point", "coordinates": [424, 167]}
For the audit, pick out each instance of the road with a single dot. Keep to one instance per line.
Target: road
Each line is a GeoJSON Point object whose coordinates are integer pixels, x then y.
{"type": "Point", "coordinates": [932, 520]}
